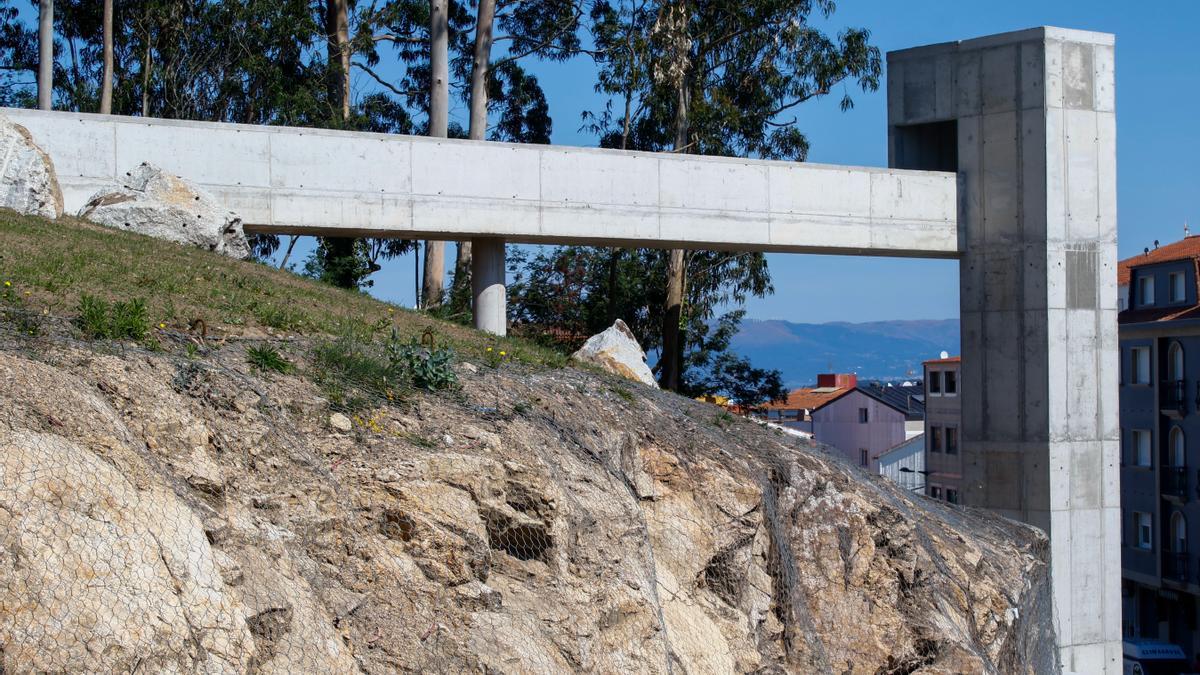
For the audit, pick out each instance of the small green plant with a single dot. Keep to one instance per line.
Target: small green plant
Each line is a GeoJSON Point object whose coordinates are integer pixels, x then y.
{"type": "Point", "coordinates": [266, 357]}
{"type": "Point", "coordinates": [13, 310]}
{"type": "Point", "coordinates": [723, 419]}
{"type": "Point", "coordinates": [423, 365]}
{"type": "Point", "coordinates": [279, 318]}
{"type": "Point", "coordinates": [495, 356]}
{"type": "Point", "coordinates": [100, 320]}
{"type": "Point", "coordinates": [522, 408]}
{"type": "Point", "coordinates": [623, 393]}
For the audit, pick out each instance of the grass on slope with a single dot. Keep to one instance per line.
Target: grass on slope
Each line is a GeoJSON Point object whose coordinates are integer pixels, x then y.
{"type": "Point", "coordinates": [51, 265]}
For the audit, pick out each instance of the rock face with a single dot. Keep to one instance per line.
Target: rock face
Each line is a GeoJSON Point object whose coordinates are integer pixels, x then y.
{"type": "Point", "coordinates": [617, 351]}
{"type": "Point", "coordinates": [158, 204]}
{"type": "Point", "coordinates": [151, 520]}
{"type": "Point", "coordinates": [28, 183]}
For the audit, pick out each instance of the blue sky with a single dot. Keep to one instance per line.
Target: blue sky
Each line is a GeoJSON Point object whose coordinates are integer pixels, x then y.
{"type": "Point", "coordinates": [1158, 104]}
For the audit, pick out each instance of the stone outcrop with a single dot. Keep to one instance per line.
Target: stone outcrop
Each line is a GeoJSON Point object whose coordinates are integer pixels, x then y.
{"type": "Point", "coordinates": [155, 203]}
{"type": "Point", "coordinates": [164, 514]}
{"type": "Point", "coordinates": [28, 183]}
{"type": "Point", "coordinates": [617, 351]}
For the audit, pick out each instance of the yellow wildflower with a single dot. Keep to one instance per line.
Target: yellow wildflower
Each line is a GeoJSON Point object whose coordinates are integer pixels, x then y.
{"type": "Point", "coordinates": [501, 353]}
{"type": "Point", "coordinates": [162, 325]}
{"type": "Point", "coordinates": [391, 310]}
{"type": "Point", "coordinates": [489, 349]}
{"type": "Point", "coordinates": [8, 284]}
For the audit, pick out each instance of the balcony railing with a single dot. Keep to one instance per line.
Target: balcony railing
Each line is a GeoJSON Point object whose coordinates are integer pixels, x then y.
{"type": "Point", "coordinates": [1177, 566]}
{"type": "Point", "coordinates": [1173, 396]}
{"type": "Point", "coordinates": [1175, 481]}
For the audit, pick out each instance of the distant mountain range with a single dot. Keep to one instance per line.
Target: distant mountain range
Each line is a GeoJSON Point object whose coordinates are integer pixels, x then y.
{"type": "Point", "coordinates": [877, 350]}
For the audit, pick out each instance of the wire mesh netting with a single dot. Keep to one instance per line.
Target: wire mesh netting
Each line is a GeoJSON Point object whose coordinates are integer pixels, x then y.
{"type": "Point", "coordinates": [179, 510]}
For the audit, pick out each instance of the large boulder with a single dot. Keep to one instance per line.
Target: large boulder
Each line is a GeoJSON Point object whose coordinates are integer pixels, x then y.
{"type": "Point", "coordinates": [27, 180]}
{"type": "Point", "coordinates": [153, 202]}
{"type": "Point", "coordinates": [617, 351]}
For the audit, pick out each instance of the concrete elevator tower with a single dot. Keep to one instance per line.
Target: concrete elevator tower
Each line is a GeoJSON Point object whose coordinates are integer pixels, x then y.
{"type": "Point", "coordinates": [1028, 121]}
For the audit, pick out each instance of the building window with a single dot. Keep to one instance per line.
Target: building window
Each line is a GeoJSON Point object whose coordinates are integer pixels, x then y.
{"type": "Point", "coordinates": [950, 386]}
{"type": "Point", "coordinates": [1141, 365]}
{"type": "Point", "coordinates": [935, 439]}
{"type": "Point", "coordinates": [1177, 290]}
{"type": "Point", "coordinates": [1144, 529]}
{"type": "Point", "coordinates": [1141, 447]}
{"type": "Point", "coordinates": [1178, 533]}
{"type": "Point", "coordinates": [951, 441]}
{"type": "Point", "coordinates": [862, 416]}
{"type": "Point", "coordinates": [1178, 448]}
{"type": "Point", "coordinates": [952, 495]}
{"type": "Point", "coordinates": [863, 457]}
{"type": "Point", "coordinates": [935, 491]}
{"type": "Point", "coordinates": [934, 383]}
{"type": "Point", "coordinates": [1146, 290]}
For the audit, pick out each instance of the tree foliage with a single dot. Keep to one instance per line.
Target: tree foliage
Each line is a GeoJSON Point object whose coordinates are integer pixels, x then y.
{"type": "Point", "coordinates": [714, 78]}
{"type": "Point", "coordinates": [564, 294]}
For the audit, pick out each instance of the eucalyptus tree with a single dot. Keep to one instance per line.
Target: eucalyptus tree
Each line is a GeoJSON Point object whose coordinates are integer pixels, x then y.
{"type": "Point", "coordinates": [106, 81]}
{"type": "Point", "coordinates": [45, 79]}
{"type": "Point", "coordinates": [718, 78]}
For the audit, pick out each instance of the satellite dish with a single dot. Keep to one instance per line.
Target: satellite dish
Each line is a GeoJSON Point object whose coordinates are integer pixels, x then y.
{"type": "Point", "coordinates": [945, 355]}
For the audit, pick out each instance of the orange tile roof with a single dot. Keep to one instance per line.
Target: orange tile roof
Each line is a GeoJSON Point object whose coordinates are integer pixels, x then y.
{"type": "Point", "coordinates": [951, 359]}
{"type": "Point", "coordinates": [1184, 249]}
{"type": "Point", "coordinates": [808, 398]}
{"type": "Point", "coordinates": [1187, 248]}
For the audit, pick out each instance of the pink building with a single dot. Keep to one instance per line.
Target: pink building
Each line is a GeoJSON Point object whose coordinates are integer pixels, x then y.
{"type": "Point", "coordinates": [861, 422]}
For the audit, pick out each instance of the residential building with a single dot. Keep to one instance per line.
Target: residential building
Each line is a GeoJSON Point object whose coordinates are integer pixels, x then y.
{"type": "Point", "coordinates": [904, 464]}
{"type": "Point", "coordinates": [861, 421]}
{"type": "Point", "coordinates": [943, 418]}
{"type": "Point", "coordinates": [1160, 443]}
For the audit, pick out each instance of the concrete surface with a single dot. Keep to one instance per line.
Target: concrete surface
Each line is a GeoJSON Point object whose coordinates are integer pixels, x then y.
{"type": "Point", "coordinates": [290, 180]}
{"type": "Point", "coordinates": [1027, 119]}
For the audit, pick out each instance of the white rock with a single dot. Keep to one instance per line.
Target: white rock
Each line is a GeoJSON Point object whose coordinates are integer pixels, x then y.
{"type": "Point", "coordinates": [617, 351]}
{"type": "Point", "coordinates": [340, 422]}
{"type": "Point", "coordinates": [158, 204]}
{"type": "Point", "coordinates": [27, 180]}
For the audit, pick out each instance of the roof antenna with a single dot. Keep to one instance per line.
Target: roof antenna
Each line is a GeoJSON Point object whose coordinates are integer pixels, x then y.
{"type": "Point", "coordinates": [1186, 233]}
{"type": "Point", "coordinates": [1156, 244]}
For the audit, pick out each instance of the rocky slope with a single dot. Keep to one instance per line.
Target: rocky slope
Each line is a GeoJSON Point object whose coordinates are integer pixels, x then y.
{"type": "Point", "coordinates": [166, 514]}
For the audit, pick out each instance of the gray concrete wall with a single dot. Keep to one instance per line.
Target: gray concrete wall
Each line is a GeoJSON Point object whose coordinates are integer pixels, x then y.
{"type": "Point", "coordinates": [1029, 120]}
{"type": "Point", "coordinates": [289, 180]}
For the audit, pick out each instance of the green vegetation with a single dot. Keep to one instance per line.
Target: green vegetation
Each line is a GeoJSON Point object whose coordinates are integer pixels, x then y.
{"type": "Point", "coordinates": [13, 310]}
{"type": "Point", "coordinates": [59, 262]}
{"type": "Point", "coordinates": [357, 370]}
{"type": "Point", "coordinates": [267, 358]}
{"type": "Point", "coordinates": [121, 320]}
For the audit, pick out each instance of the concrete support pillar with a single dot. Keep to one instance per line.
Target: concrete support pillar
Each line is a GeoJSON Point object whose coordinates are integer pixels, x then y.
{"type": "Point", "coordinates": [1027, 119]}
{"type": "Point", "coordinates": [487, 285]}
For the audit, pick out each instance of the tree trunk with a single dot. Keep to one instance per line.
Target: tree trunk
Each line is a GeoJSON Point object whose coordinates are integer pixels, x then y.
{"type": "Point", "coordinates": [674, 337]}
{"type": "Point", "coordinates": [481, 68]}
{"type": "Point", "coordinates": [342, 31]}
{"type": "Point", "coordinates": [439, 120]}
{"type": "Point", "coordinates": [106, 83]}
{"type": "Point", "coordinates": [337, 54]}
{"type": "Point", "coordinates": [480, 72]}
{"type": "Point", "coordinates": [46, 54]}
{"type": "Point", "coordinates": [146, 65]}
{"type": "Point", "coordinates": [288, 253]}
{"type": "Point", "coordinates": [614, 267]}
